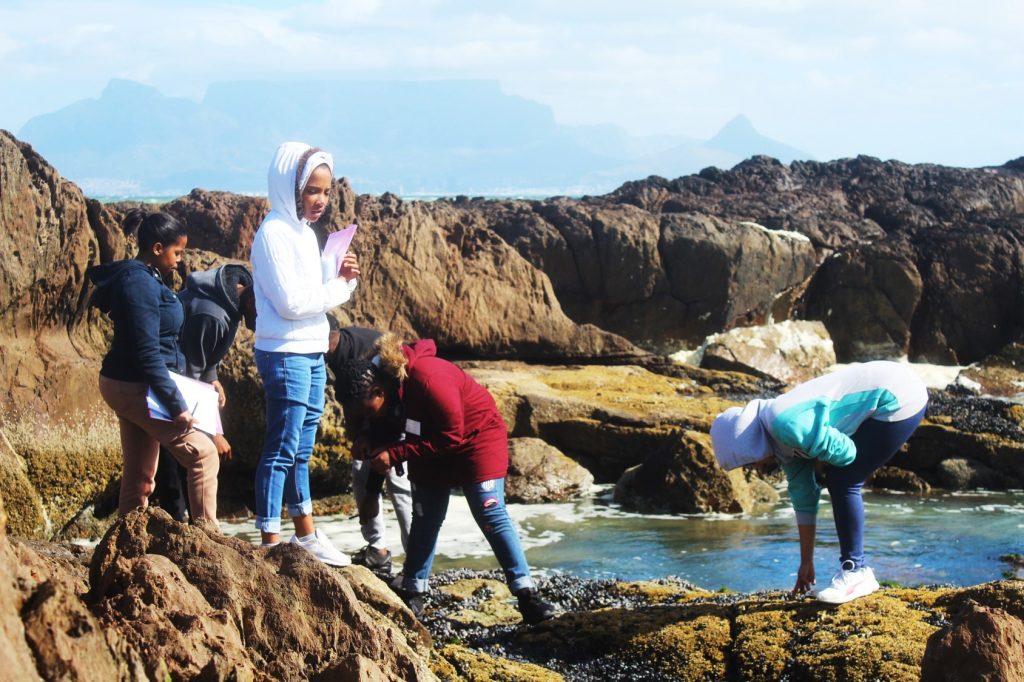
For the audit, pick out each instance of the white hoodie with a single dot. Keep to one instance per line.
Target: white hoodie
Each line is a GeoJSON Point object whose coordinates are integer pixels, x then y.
{"type": "Point", "coordinates": [291, 296]}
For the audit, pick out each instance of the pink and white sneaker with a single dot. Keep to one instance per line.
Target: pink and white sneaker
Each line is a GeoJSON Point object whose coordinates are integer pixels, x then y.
{"type": "Point", "coordinates": [849, 584]}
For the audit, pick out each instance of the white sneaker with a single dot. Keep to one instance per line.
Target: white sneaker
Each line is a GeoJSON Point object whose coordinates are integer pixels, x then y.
{"type": "Point", "coordinates": [323, 549]}
{"type": "Point", "coordinates": [849, 584]}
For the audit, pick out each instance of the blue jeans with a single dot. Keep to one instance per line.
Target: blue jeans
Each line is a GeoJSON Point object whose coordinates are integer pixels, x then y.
{"type": "Point", "coordinates": [487, 502]}
{"type": "Point", "coordinates": [294, 387]}
{"type": "Point", "coordinates": [876, 442]}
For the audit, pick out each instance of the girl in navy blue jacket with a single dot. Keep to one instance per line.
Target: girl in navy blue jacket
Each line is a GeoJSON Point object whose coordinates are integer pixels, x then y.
{"type": "Point", "coordinates": [147, 319]}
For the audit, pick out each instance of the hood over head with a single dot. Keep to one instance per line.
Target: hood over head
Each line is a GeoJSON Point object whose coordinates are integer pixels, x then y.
{"type": "Point", "coordinates": [284, 184]}
{"type": "Point", "coordinates": [106, 274]}
{"type": "Point", "coordinates": [216, 285]}
{"type": "Point", "coordinates": [738, 436]}
{"type": "Point", "coordinates": [424, 348]}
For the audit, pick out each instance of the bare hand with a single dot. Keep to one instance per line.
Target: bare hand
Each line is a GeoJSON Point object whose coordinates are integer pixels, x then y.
{"type": "Point", "coordinates": [222, 398]}
{"type": "Point", "coordinates": [349, 269]}
{"type": "Point", "coordinates": [184, 421]}
{"type": "Point", "coordinates": [804, 578]}
{"type": "Point", "coordinates": [223, 447]}
{"type": "Point", "coordinates": [381, 462]}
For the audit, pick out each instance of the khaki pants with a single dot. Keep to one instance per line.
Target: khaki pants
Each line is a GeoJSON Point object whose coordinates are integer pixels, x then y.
{"type": "Point", "coordinates": [141, 438]}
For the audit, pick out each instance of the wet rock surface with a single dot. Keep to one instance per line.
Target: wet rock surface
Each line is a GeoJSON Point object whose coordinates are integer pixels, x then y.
{"type": "Point", "coordinates": [669, 630]}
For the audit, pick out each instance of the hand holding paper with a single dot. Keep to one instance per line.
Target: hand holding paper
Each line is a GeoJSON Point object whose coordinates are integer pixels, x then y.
{"type": "Point", "coordinates": [335, 250]}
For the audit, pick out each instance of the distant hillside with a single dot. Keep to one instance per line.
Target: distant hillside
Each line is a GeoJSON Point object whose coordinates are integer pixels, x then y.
{"type": "Point", "coordinates": [416, 137]}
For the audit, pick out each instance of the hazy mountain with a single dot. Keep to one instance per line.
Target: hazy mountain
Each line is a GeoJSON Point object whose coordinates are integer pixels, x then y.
{"type": "Point", "coordinates": [431, 137]}
{"type": "Point", "coordinates": [739, 137]}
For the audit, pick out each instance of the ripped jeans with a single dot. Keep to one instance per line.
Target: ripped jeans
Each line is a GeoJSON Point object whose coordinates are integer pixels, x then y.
{"type": "Point", "coordinates": [487, 503]}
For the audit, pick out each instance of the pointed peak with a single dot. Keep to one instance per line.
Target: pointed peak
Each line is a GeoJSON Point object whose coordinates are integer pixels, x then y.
{"type": "Point", "coordinates": [738, 124]}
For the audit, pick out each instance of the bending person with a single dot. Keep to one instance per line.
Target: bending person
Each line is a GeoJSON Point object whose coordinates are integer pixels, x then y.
{"type": "Point", "coordinates": [349, 344]}
{"type": "Point", "coordinates": [215, 301]}
{"type": "Point", "coordinates": [833, 431]}
{"type": "Point", "coordinates": [452, 435]}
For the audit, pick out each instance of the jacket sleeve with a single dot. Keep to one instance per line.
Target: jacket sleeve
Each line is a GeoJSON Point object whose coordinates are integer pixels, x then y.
{"type": "Point", "coordinates": [199, 337]}
{"type": "Point", "coordinates": [806, 428]}
{"type": "Point", "coordinates": [443, 413]}
{"type": "Point", "coordinates": [293, 295]}
{"type": "Point", "coordinates": [804, 492]}
{"type": "Point", "coordinates": [141, 313]}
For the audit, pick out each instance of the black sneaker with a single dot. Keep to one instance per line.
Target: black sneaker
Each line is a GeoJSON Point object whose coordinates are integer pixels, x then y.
{"type": "Point", "coordinates": [373, 560]}
{"type": "Point", "coordinates": [414, 600]}
{"type": "Point", "coordinates": [533, 608]}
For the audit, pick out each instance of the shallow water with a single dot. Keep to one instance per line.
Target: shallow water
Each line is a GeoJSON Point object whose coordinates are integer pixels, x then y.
{"type": "Point", "coordinates": [954, 538]}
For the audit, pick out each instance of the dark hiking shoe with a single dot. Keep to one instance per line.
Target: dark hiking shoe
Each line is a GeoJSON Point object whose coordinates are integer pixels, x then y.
{"type": "Point", "coordinates": [373, 560]}
{"type": "Point", "coordinates": [533, 608]}
{"type": "Point", "coordinates": [414, 600]}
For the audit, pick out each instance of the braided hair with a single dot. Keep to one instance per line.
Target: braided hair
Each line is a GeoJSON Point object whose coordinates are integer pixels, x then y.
{"type": "Point", "coordinates": [356, 379]}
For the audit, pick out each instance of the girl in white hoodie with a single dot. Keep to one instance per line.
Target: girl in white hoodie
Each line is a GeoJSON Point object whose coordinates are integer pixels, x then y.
{"type": "Point", "coordinates": [292, 298]}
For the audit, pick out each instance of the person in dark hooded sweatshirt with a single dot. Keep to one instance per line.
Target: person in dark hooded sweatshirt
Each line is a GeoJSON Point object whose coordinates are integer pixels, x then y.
{"type": "Point", "coordinates": [213, 302]}
{"type": "Point", "coordinates": [450, 434]}
{"type": "Point", "coordinates": [147, 318]}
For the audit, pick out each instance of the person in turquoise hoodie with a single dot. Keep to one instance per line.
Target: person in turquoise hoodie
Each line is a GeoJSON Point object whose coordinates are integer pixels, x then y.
{"type": "Point", "coordinates": [834, 432]}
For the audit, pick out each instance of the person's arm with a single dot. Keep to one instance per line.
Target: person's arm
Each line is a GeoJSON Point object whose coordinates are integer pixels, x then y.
{"type": "Point", "coordinates": [806, 427]}
{"type": "Point", "coordinates": [804, 495]}
{"type": "Point", "coordinates": [805, 574]}
{"type": "Point", "coordinates": [141, 314]}
{"type": "Point", "coordinates": [199, 338]}
{"type": "Point", "coordinates": [293, 295]}
{"type": "Point", "coordinates": [444, 412]}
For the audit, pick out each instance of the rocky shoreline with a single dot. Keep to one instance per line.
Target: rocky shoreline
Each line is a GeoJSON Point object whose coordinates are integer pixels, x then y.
{"type": "Point", "coordinates": [158, 599]}
{"type": "Point", "coordinates": [563, 308]}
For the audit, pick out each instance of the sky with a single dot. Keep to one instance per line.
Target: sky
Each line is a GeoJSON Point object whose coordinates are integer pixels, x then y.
{"type": "Point", "coordinates": [940, 81]}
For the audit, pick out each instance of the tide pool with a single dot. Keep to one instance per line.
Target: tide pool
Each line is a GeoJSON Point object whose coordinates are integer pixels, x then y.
{"type": "Point", "coordinates": [951, 538]}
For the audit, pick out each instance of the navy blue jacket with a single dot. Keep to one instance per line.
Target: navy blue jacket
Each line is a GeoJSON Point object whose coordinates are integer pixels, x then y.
{"type": "Point", "coordinates": [147, 319]}
{"type": "Point", "coordinates": [211, 321]}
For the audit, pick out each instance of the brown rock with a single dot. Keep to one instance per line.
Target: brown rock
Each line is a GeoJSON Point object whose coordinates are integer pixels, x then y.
{"type": "Point", "coordinates": [866, 297]}
{"type": "Point", "coordinates": [789, 352]}
{"type": "Point", "coordinates": [685, 478]}
{"type": "Point", "coordinates": [538, 472]}
{"type": "Point", "coordinates": [985, 644]}
{"type": "Point", "coordinates": [894, 478]}
{"type": "Point", "coordinates": [193, 597]}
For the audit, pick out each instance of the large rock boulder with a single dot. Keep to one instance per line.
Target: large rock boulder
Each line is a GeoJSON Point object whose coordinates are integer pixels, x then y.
{"type": "Point", "coordinates": [866, 296]}
{"type": "Point", "coordinates": [538, 472]}
{"type": "Point", "coordinates": [928, 257]}
{"type": "Point", "coordinates": [197, 603]}
{"type": "Point", "coordinates": [662, 281]}
{"type": "Point", "coordinates": [985, 644]}
{"type": "Point", "coordinates": [789, 352]}
{"type": "Point", "coordinates": [612, 419]}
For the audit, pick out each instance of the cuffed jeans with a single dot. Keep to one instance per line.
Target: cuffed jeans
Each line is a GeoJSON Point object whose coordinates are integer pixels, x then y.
{"type": "Point", "coordinates": [877, 442]}
{"type": "Point", "coordinates": [293, 384]}
{"type": "Point", "coordinates": [487, 503]}
{"type": "Point", "coordinates": [401, 499]}
{"type": "Point", "coordinates": [141, 438]}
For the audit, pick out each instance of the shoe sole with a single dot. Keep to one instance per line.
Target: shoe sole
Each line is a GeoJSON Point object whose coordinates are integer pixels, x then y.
{"type": "Point", "coordinates": [849, 596]}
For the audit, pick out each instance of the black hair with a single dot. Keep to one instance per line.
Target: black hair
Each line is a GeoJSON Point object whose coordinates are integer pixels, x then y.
{"type": "Point", "coordinates": [152, 228]}
{"type": "Point", "coordinates": [354, 381]}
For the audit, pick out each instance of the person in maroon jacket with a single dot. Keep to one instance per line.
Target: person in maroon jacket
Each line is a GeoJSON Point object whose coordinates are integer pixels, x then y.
{"type": "Point", "coordinates": [448, 433]}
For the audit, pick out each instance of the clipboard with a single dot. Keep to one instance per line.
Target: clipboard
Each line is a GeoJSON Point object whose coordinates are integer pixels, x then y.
{"type": "Point", "coordinates": [201, 398]}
